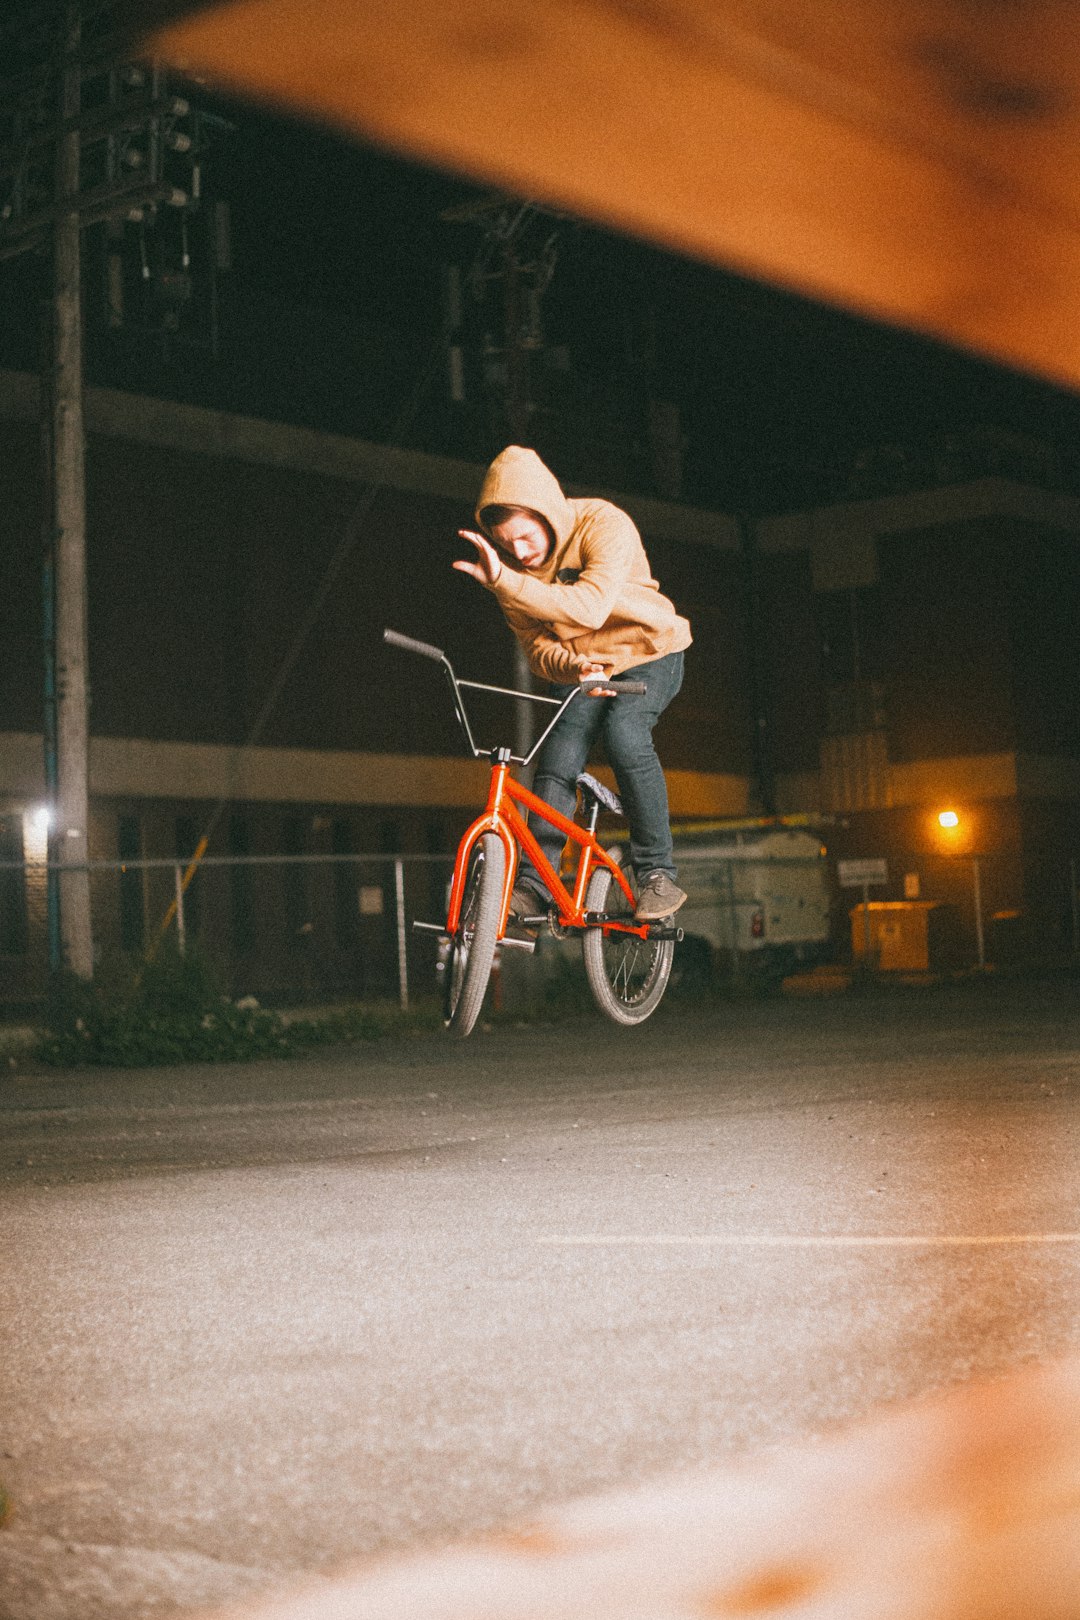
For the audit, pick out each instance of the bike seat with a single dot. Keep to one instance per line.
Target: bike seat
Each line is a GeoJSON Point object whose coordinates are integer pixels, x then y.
{"type": "Point", "coordinates": [599, 794]}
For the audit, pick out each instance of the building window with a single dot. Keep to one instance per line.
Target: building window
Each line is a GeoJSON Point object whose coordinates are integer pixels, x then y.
{"type": "Point", "coordinates": [852, 630]}
{"type": "Point", "coordinates": [294, 878]}
{"type": "Point", "coordinates": [852, 635]}
{"type": "Point", "coordinates": [389, 844]}
{"type": "Point", "coordinates": [132, 891]}
{"type": "Point", "coordinates": [437, 842]}
{"type": "Point", "coordinates": [13, 924]}
{"type": "Point", "coordinates": [854, 706]}
{"type": "Point", "coordinates": [345, 902]}
{"type": "Point", "coordinates": [187, 839]}
{"type": "Point", "coordinates": [241, 888]}
{"type": "Point", "coordinates": [855, 772]}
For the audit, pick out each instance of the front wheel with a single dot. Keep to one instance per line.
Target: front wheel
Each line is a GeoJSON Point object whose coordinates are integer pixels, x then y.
{"type": "Point", "coordinates": [627, 975]}
{"type": "Point", "coordinates": [472, 949]}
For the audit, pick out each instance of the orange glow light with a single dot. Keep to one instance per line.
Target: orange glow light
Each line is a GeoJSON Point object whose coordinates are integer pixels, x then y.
{"type": "Point", "coordinates": [948, 818]}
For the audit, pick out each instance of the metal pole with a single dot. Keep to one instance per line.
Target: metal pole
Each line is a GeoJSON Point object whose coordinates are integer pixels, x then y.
{"type": "Point", "coordinates": [518, 414]}
{"type": "Point", "coordinates": [523, 712]}
{"type": "Point", "coordinates": [976, 884]}
{"type": "Point", "coordinates": [866, 922]}
{"type": "Point", "coordinates": [52, 876]}
{"type": "Point", "coordinates": [402, 951]}
{"type": "Point", "coordinates": [181, 931]}
{"type": "Point", "coordinates": [69, 497]}
{"type": "Point", "coordinates": [1075, 907]}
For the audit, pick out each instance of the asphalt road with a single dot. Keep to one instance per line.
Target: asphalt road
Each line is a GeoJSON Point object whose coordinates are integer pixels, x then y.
{"type": "Point", "coordinates": [266, 1318]}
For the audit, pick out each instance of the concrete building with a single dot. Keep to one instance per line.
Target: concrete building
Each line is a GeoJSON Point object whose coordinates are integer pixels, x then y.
{"type": "Point", "coordinates": [868, 664]}
{"type": "Point", "coordinates": [940, 625]}
{"type": "Point", "coordinates": [240, 575]}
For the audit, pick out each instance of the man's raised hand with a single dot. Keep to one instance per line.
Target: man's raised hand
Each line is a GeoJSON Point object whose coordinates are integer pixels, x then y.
{"type": "Point", "coordinates": [487, 566]}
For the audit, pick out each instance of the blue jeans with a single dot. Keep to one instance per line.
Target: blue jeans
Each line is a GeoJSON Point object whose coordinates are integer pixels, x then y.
{"type": "Point", "coordinates": [626, 725]}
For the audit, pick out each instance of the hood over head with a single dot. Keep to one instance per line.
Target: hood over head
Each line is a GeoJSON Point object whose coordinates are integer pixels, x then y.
{"type": "Point", "coordinates": [517, 477]}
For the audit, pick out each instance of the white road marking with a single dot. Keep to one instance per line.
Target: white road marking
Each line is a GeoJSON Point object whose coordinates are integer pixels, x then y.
{"type": "Point", "coordinates": [822, 1240]}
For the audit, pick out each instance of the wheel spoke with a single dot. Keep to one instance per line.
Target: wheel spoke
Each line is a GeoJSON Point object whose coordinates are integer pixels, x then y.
{"type": "Point", "coordinates": [627, 974]}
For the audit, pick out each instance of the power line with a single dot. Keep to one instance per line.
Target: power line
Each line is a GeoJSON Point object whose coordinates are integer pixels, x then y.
{"type": "Point", "coordinates": [351, 535]}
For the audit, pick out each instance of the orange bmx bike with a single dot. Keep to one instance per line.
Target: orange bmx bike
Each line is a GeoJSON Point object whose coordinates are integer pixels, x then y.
{"type": "Point", "coordinates": [627, 963]}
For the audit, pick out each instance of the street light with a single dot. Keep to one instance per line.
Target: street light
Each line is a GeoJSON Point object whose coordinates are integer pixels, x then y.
{"type": "Point", "coordinates": [36, 824]}
{"type": "Point", "coordinates": [948, 819]}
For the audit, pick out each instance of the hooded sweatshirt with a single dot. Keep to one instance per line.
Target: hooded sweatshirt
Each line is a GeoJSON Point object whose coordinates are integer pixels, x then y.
{"type": "Point", "coordinates": [593, 600]}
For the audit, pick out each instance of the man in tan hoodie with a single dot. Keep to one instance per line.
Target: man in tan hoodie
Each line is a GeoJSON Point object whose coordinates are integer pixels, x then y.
{"type": "Point", "coordinates": [574, 582]}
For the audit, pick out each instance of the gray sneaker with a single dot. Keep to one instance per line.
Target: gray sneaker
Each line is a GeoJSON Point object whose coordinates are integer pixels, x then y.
{"type": "Point", "coordinates": [527, 902]}
{"type": "Point", "coordinates": [658, 897]}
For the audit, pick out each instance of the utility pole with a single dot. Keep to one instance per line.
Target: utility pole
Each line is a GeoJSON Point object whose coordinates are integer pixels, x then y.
{"type": "Point", "coordinates": [73, 157]}
{"type": "Point", "coordinates": [69, 841]}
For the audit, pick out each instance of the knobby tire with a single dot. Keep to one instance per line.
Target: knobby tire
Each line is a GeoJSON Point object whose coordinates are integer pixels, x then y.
{"type": "Point", "coordinates": [472, 949]}
{"type": "Point", "coordinates": [627, 975]}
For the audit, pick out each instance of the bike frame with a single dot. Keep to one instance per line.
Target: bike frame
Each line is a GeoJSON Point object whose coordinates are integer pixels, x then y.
{"type": "Point", "coordinates": [502, 817]}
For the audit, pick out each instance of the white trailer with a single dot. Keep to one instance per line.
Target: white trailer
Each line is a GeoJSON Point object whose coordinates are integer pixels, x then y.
{"type": "Point", "coordinates": [757, 891]}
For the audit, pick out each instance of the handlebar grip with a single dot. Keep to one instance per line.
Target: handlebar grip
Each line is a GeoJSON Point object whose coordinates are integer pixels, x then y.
{"type": "Point", "coordinates": [620, 688]}
{"type": "Point", "coordinates": [407, 644]}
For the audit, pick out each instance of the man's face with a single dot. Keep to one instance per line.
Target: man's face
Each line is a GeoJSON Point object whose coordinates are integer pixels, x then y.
{"type": "Point", "coordinates": [524, 537]}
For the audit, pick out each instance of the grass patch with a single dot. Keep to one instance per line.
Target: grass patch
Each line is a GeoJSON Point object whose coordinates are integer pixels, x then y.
{"type": "Point", "coordinates": [172, 1010]}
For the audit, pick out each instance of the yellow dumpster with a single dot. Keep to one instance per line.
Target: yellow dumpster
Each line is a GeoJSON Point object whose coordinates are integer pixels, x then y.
{"type": "Point", "coordinates": [903, 936]}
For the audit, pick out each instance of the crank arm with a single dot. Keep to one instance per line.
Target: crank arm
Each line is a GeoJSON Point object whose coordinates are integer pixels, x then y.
{"type": "Point", "coordinates": [619, 925]}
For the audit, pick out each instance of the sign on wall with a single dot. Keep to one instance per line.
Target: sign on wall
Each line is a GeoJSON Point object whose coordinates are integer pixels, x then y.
{"type": "Point", "coordinates": [862, 874]}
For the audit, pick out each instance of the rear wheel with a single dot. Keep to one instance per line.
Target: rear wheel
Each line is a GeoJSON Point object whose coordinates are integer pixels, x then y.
{"type": "Point", "coordinates": [472, 949]}
{"type": "Point", "coordinates": [627, 975]}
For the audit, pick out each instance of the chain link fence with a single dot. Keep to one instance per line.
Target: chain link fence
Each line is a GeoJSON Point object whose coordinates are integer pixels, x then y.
{"type": "Point", "coordinates": [295, 928]}
{"type": "Point", "coordinates": [304, 928]}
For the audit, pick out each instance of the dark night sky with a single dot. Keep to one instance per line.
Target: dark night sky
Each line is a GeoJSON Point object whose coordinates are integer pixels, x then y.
{"type": "Point", "coordinates": [333, 238]}
{"type": "Point", "coordinates": [762, 372]}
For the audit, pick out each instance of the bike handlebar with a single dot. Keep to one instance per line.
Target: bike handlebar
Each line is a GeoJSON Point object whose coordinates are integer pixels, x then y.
{"type": "Point", "coordinates": [424, 648]}
{"type": "Point", "coordinates": [620, 688]}
{"type": "Point", "coordinates": [407, 644]}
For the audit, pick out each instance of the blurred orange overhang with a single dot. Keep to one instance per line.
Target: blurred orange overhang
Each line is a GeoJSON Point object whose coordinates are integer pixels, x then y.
{"type": "Point", "coordinates": [913, 160]}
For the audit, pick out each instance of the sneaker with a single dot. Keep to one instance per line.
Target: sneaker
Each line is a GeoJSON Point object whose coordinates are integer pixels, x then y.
{"type": "Point", "coordinates": [658, 897]}
{"type": "Point", "coordinates": [527, 902]}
